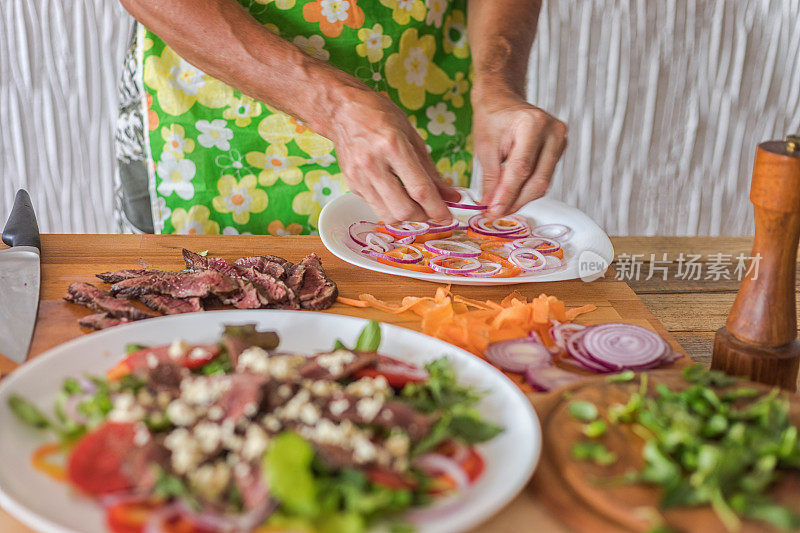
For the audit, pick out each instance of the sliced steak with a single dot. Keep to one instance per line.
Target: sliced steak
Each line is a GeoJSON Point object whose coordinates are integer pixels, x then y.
{"type": "Point", "coordinates": [169, 305]}
{"type": "Point", "coordinates": [116, 276]}
{"type": "Point", "coordinates": [101, 321]}
{"type": "Point", "coordinates": [179, 285]}
{"type": "Point", "coordinates": [165, 376]}
{"type": "Point", "coordinates": [250, 483]}
{"type": "Point", "coordinates": [143, 465]}
{"type": "Point", "coordinates": [317, 368]}
{"type": "Point", "coordinates": [313, 288]}
{"type": "Point", "coordinates": [270, 290]}
{"type": "Point", "coordinates": [245, 394]}
{"type": "Point", "coordinates": [275, 266]}
{"type": "Point", "coordinates": [96, 299]}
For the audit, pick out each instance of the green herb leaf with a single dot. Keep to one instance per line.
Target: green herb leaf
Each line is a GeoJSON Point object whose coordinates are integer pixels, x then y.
{"type": "Point", "coordinates": [595, 429]}
{"type": "Point", "coordinates": [287, 465]}
{"type": "Point", "coordinates": [133, 347]}
{"type": "Point", "coordinates": [370, 338]}
{"type": "Point", "coordinates": [583, 411]}
{"type": "Point", "coordinates": [622, 377]}
{"type": "Point", "coordinates": [28, 413]}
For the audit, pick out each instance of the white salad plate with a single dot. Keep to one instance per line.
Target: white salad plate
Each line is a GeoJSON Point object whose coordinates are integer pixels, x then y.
{"type": "Point", "coordinates": [49, 506]}
{"type": "Point", "coordinates": [588, 245]}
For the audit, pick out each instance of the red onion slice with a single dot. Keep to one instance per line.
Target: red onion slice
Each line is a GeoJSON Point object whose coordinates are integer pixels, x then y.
{"type": "Point", "coordinates": [405, 240]}
{"type": "Point", "coordinates": [542, 244]}
{"type": "Point", "coordinates": [452, 248]}
{"type": "Point", "coordinates": [547, 378]}
{"type": "Point", "coordinates": [487, 270]}
{"type": "Point", "coordinates": [436, 463]}
{"type": "Point", "coordinates": [562, 332]}
{"type": "Point", "coordinates": [486, 226]}
{"type": "Point", "coordinates": [414, 257]}
{"type": "Point", "coordinates": [359, 231]}
{"type": "Point", "coordinates": [377, 244]}
{"type": "Point", "coordinates": [576, 349]}
{"type": "Point", "coordinates": [441, 228]}
{"type": "Point", "coordinates": [528, 259]}
{"type": "Point", "coordinates": [516, 355]}
{"type": "Point", "coordinates": [551, 231]}
{"type": "Point", "coordinates": [408, 228]}
{"type": "Point", "coordinates": [467, 264]}
{"type": "Point", "coordinates": [466, 201]}
{"type": "Point", "coordinates": [623, 346]}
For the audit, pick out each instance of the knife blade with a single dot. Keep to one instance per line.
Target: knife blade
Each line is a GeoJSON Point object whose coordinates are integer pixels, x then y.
{"type": "Point", "coordinates": [20, 277]}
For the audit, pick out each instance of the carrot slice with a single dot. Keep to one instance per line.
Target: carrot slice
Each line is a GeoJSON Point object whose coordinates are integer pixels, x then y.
{"type": "Point", "coordinates": [40, 462]}
{"type": "Point", "coordinates": [574, 313]}
{"type": "Point", "coordinates": [352, 302]}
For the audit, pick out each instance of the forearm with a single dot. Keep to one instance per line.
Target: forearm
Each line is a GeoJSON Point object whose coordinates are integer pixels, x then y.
{"type": "Point", "coordinates": [226, 42]}
{"type": "Point", "coordinates": [501, 33]}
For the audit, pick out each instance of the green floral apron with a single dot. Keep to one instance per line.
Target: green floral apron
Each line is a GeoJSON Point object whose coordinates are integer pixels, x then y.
{"type": "Point", "coordinates": [226, 163]}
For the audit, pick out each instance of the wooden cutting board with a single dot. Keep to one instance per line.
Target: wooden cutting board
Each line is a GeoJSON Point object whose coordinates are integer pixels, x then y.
{"type": "Point", "coordinates": [574, 490]}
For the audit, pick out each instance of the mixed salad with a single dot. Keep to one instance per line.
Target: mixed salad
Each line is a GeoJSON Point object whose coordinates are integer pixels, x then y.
{"type": "Point", "coordinates": [239, 436]}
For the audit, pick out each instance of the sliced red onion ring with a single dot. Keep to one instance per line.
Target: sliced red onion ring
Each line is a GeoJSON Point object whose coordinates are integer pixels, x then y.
{"type": "Point", "coordinates": [487, 226]}
{"type": "Point", "coordinates": [623, 346]}
{"type": "Point", "coordinates": [547, 378]}
{"type": "Point", "coordinates": [408, 228]}
{"type": "Point", "coordinates": [436, 463]}
{"type": "Point", "coordinates": [359, 231]}
{"type": "Point", "coordinates": [462, 204]}
{"type": "Point", "coordinates": [377, 244]}
{"type": "Point", "coordinates": [405, 240]}
{"type": "Point", "coordinates": [516, 355]}
{"type": "Point", "coordinates": [441, 228]}
{"type": "Point", "coordinates": [552, 262]}
{"type": "Point", "coordinates": [578, 352]}
{"type": "Point", "coordinates": [562, 332]}
{"type": "Point", "coordinates": [528, 259]}
{"type": "Point", "coordinates": [452, 248]}
{"type": "Point", "coordinates": [407, 258]}
{"type": "Point", "coordinates": [487, 270]}
{"type": "Point", "coordinates": [550, 245]}
{"type": "Point", "coordinates": [467, 264]}
{"type": "Point", "coordinates": [551, 231]}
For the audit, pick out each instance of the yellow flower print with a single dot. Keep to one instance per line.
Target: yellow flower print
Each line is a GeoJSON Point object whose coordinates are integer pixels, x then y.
{"type": "Point", "coordinates": [373, 41]}
{"type": "Point", "coordinates": [422, 131]}
{"type": "Point", "coordinates": [453, 173]}
{"type": "Point", "coordinates": [403, 10]}
{"type": "Point", "coordinates": [276, 227]}
{"type": "Point", "coordinates": [275, 163]}
{"type": "Point", "coordinates": [194, 222]}
{"type": "Point", "coordinates": [280, 4]}
{"type": "Point", "coordinates": [455, 34]}
{"type": "Point", "coordinates": [281, 128]}
{"type": "Point", "coordinates": [179, 84]}
{"type": "Point", "coordinates": [456, 93]}
{"type": "Point", "coordinates": [412, 72]}
{"type": "Point", "coordinates": [240, 198]}
{"type": "Point", "coordinates": [242, 110]}
{"type": "Point", "coordinates": [468, 144]}
{"type": "Point", "coordinates": [322, 188]}
{"type": "Point", "coordinates": [175, 141]}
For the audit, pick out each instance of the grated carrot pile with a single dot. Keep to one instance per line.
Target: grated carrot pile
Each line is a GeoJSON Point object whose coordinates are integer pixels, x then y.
{"type": "Point", "coordinates": [474, 324]}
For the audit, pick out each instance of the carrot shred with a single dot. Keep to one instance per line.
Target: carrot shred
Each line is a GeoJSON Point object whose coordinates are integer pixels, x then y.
{"type": "Point", "coordinates": [352, 302]}
{"type": "Point", "coordinates": [473, 324]}
{"type": "Point", "coordinates": [40, 462]}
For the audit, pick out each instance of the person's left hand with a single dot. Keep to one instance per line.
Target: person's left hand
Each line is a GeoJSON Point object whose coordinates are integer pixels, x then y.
{"type": "Point", "coordinates": [518, 146]}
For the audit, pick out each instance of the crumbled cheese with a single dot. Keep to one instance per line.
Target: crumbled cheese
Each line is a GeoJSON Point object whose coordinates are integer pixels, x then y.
{"type": "Point", "coordinates": [208, 436]}
{"type": "Point", "coordinates": [337, 407]}
{"type": "Point", "coordinates": [322, 388]}
{"type": "Point", "coordinates": [126, 409]}
{"type": "Point", "coordinates": [186, 454]}
{"type": "Point", "coordinates": [210, 480]}
{"type": "Point", "coordinates": [284, 391]}
{"type": "Point", "coordinates": [177, 349]}
{"type": "Point", "coordinates": [271, 423]}
{"type": "Point", "coordinates": [180, 414]}
{"type": "Point", "coordinates": [141, 436]}
{"type": "Point", "coordinates": [199, 353]}
{"type": "Point", "coordinates": [255, 442]}
{"type": "Point", "coordinates": [202, 391]}
{"type": "Point", "coordinates": [230, 440]}
{"type": "Point", "coordinates": [163, 398]}
{"type": "Point", "coordinates": [363, 449]}
{"type": "Point", "coordinates": [368, 386]}
{"type": "Point", "coordinates": [368, 408]}
{"type": "Point", "coordinates": [291, 411]}
{"type": "Point", "coordinates": [253, 359]}
{"type": "Point", "coordinates": [145, 398]}
{"type": "Point", "coordinates": [397, 444]}
{"type": "Point", "coordinates": [215, 412]}
{"type": "Point", "coordinates": [250, 409]}
{"type": "Point", "coordinates": [309, 414]}
{"type": "Point", "coordinates": [152, 360]}
{"type": "Point", "coordinates": [335, 362]}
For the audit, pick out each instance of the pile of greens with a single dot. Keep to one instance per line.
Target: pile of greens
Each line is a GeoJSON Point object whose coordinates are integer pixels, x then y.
{"type": "Point", "coordinates": [712, 443]}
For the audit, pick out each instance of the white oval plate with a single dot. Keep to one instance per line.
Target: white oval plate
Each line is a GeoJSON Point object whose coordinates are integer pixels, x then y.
{"type": "Point", "coordinates": [588, 243]}
{"type": "Point", "coordinates": [49, 506]}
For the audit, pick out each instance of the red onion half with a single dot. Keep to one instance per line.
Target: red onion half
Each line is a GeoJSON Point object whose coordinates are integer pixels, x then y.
{"type": "Point", "coordinates": [452, 248]}
{"type": "Point", "coordinates": [623, 346]}
{"type": "Point", "coordinates": [459, 265]}
{"type": "Point", "coordinates": [516, 355]}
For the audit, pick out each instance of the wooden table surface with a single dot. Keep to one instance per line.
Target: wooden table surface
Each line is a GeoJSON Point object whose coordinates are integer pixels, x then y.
{"type": "Point", "coordinates": [690, 301]}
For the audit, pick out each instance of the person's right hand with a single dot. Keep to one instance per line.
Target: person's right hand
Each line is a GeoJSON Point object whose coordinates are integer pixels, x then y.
{"type": "Point", "coordinates": [385, 161]}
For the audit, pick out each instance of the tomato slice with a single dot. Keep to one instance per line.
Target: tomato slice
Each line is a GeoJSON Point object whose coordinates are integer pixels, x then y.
{"type": "Point", "coordinates": [471, 463]}
{"type": "Point", "coordinates": [139, 359]}
{"type": "Point", "coordinates": [397, 373]}
{"type": "Point", "coordinates": [130, 517]}
{"type": "Point", "coordinates": [389, 478]}
{"type": "Point", "coordinates": [95, 464]}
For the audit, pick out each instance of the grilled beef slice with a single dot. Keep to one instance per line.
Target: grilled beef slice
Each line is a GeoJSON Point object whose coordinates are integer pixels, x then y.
{"type": "Point", "coordinates": [313, 370]}
{"type": "Point", "coordinates": [169, 305]}
{"type": "Point", "coordinates": [100, 321]}
{"type": "Point", "coordinates": [198, 284]}
{"type": "Point", "coordinates": [270, 290]}
{"type": "Point", "coordinates": [96, 299]}
{"type": "Point", "coordinates": [313, 288]}
{"type": "Point", "coordinates": [116, 276]}
{"type": "Point", "coordinates": [275, 266]}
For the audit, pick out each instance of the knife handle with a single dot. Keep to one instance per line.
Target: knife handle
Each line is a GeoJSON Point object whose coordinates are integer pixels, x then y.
{"type": "Point", "coordinates": [21, 228]}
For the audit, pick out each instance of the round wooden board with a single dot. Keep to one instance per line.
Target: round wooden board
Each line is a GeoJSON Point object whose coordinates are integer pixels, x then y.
{"type": "Point", "coordinates": [574, 490]}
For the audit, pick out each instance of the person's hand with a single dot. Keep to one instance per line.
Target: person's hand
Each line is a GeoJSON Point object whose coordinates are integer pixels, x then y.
{"type": "Point", "coordinates": [518, 146]}
{"type": "Point", "coordinates": [385, 161]}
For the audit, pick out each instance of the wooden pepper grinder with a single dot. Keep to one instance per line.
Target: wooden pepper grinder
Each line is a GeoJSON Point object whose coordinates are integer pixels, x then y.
{"type": "Point", "coordinates": [759, 340]}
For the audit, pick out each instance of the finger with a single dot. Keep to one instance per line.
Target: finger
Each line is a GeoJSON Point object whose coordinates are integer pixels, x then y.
{"type": "Point", "coordinates": [363, 189]}
{"type": "Point", "coordinates": [540, 180]}
{"type": "Point", "coordinates": [396, 199]}
{"type": "Point", "coordinates": [519, 166]}
{"type": "Point", "coordinates": [489, 157]}
{"type": "Point", "coordinates": [420, 183]}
